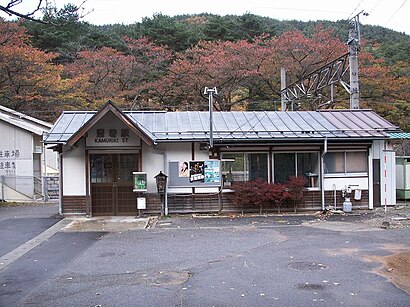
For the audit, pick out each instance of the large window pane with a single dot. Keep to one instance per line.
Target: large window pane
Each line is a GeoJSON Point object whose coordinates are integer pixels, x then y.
{"type": "Point", "coordinates": [356, 162]}
{"type": "Point", "coordinates": [258, 166]}
{"type": "Point", "coordinates": [334, 162]}
{"type": "Point", "coordinates": [285, 166]}
{"type": "Point", "coordinates": [244, 166]}
{"type": "Point", "coordinates": [233, 168]}
{"type": "Point", "coordinates": [308, 166]}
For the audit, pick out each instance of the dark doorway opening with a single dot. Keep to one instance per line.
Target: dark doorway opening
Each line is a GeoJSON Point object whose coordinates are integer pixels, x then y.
{"type": "Point", "coordinates": [376, 183]}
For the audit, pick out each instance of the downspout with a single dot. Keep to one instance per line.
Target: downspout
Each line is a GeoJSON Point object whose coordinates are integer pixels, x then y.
{"type": "Point", "coordinates": [60, 183]}
{"type": "Point", "coordinates": [164, 154]}
{"type": "Point", "coordinates": [370, 179]}
{"type": "Point", "coordinates": [322, 173]}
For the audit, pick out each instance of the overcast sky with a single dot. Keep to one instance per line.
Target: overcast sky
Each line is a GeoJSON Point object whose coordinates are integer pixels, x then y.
{"type": "Point", "coordinates": [393, 14]}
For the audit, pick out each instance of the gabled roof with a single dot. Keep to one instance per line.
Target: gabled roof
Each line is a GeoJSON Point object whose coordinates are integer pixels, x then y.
{"type": "Point", "coordinates": [24, 121]}
{"type": "Point", "coordinates": [146, 136]}
{"type": "Point", "coordinates": [243, 126]}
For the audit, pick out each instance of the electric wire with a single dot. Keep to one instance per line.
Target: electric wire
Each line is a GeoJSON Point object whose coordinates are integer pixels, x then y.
{"type": "Point", "coordinates": [376, 5]}
{"type": "Point", "coordinates": [354, 10]}
{"type": "Point", "coordinates": [394, 14]}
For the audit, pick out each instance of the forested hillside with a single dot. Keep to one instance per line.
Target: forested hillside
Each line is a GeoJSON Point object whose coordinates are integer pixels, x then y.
{"type": "Point", "coordinates": [165, 62]}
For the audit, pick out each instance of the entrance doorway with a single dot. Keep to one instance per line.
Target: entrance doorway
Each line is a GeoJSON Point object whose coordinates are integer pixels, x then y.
{"type": "Point", "coordinates": [376, 183]}
{"type": "Point", "coordinates": [112, 184]}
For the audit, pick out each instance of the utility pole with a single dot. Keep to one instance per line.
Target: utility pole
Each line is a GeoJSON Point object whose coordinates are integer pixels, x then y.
{"type": "Point", "coordinates": [354, 48]}
{"type": "Point", "coordinates": [210, 92]}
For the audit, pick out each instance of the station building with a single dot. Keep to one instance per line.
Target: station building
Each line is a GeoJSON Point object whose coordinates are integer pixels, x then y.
{"type": "Point", "coordinates": [338, 151]}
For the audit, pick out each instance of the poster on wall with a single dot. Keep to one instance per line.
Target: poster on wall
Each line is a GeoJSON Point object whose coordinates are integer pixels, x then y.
{"type": "Point", "coordinates": [183, 169]}
{"type": "Point", "coordinates": [197, 173]}
{"type": "Point", "coordinates": [140, 181]}
{"type": "Point", "coordinates": [212, 171]}
{"type": "Point", "coordinates": [189, 174]}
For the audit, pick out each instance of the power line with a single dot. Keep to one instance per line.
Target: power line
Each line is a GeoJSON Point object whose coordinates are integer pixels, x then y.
{"type": "Point", "coordinates": [377, 4]}
{"type": "Point", "coordinates": [394, 14]}
{"type": "Point", "coordinates": [354, 10]}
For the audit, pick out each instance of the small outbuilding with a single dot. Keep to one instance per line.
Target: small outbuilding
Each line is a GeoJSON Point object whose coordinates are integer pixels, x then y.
{"type": "Point", "coordinates": [108, 158]}
{"type": "Point", "coordinates": [25, 163]}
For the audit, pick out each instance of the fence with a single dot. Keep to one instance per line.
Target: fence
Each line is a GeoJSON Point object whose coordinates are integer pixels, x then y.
{"type": "Point", "coordinates": [26, 188]}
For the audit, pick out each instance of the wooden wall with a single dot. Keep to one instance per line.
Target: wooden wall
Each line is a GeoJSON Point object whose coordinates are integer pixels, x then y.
{"type": "Point", "coordinates": [222, 203]}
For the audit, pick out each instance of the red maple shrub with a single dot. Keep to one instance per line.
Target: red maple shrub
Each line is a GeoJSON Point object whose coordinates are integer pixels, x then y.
{"type": "Point", "coordinates": [258, 192]}
{"type": "Point", "coordinates": [296, 186]}
{"type": "Point", "coordinates": [278, 193]}
{"type": "Point", "coordinates": [250, 193]}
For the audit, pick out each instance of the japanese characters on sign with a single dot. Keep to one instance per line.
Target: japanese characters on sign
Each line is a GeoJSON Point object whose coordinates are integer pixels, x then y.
{"type": "Point", "coordinates": [8, 161]}
{"type": "Point", "coordinates": [111, 135]}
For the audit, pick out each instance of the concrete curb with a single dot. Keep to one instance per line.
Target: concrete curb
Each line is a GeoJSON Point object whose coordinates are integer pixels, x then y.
{"type": "Point", "coordinates": [340, 226]}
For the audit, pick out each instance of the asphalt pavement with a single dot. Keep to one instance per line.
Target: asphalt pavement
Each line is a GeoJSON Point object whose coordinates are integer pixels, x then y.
{"type": "Point", "coordinates": [210, 261]}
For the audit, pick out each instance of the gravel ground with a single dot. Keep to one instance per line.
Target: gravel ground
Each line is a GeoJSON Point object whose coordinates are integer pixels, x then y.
{"type": "Point", "coordinates": [395, 217]}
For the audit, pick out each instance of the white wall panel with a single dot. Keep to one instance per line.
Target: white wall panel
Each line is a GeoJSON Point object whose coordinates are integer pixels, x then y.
{"type": "Point", "coordinates": [74, 180]}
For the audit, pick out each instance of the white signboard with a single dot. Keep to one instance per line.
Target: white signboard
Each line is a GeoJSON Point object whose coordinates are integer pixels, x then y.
{"type": "Point", "coordinates": [141, 203]}
{"type": "Point", "coordinates": [111, 132]}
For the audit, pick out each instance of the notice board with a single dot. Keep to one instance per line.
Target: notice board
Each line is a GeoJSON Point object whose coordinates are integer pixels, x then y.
{"type": "Point", "coordinates": [198, 173]}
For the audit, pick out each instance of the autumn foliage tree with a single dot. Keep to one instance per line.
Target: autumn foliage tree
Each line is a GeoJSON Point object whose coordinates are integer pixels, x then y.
{"type": "Point", "coordinates": [87, 65]}
{"type": "Point", "coordinates": [230, 66]}
{"type": "Point", "coordinates": [121, 76]}
{"type": "Point", "coordinates": [29, 82]}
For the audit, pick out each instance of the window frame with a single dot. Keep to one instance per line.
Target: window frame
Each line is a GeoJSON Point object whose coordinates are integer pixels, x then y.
{"type": "Point", "coordinates": [296, 165]}
{"type": "Point", "coordinates": [345, 173]}
{"type": "Point", "coordinates": [246, 163]}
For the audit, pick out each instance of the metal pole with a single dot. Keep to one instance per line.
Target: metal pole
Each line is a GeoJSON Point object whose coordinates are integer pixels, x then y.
{"type": "Point", "coordinates": [44, 173]}
{"type": "Point", "coordinates": [210, 91]}
{"type": "Point", "coordinates": [282, 87]}
{"type": "Point", "coordinates": [322, 173]}
{"type": "Point", "coordinates": [332, 93]}
{"type": "Point", "coordinates": [2, 187]}
{"type": "Point", "coordinates": [211, 128]}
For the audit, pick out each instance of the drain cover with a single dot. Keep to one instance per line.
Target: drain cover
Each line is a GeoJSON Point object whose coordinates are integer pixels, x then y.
{"type": "Point", "coordinates": [306, 266]}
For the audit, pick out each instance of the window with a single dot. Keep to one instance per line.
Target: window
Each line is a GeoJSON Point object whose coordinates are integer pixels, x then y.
{"type": "Point", "coordinates": [335, 162]}
{"type": "Point", "coordinates": [101, 168]}
{"type": "Point", "coordinates": [296, 164]}
{"type": "Point", "coordinates": [244, 167]}
{"type": "Point", "coordinates": [346, 162]}
{"type": "Point", "coordinates": [285, 166]}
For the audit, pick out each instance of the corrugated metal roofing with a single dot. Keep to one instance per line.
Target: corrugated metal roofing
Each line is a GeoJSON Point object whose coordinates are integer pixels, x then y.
{"type": "Point", "coordinates": [24, 121]}
{"type": "Point", "coordinates": [247, 126]}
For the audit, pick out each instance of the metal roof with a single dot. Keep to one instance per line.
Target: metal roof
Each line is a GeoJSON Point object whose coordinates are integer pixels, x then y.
{"type": "Point", "coordinates": [243, 126]}
{"type": "Point", "coordinates": [24, 121]}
